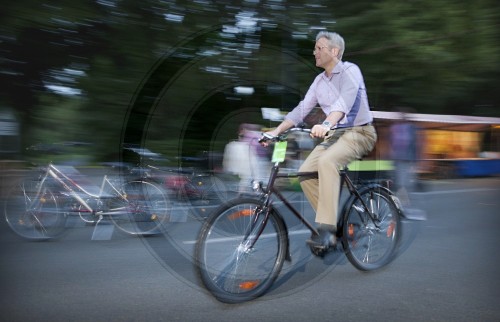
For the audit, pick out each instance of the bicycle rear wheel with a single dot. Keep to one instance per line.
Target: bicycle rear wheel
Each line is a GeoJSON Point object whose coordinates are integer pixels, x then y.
{"type": "Point", "coordinates": [230, 267]}
{"type": "Point", "coordinates": [207, 190]}
{"type": "Point", "coordinates": [141, 210]}
{"type": "Point", "coordinates": [34, 214]}
{"type": "Point", "coordinates": [371, 243]}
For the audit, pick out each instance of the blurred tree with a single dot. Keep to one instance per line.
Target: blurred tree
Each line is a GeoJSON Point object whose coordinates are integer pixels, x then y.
{"type": "Point", "coordinates": [437, 56]}
{"type": "Point", "coordinates": [84, 61]}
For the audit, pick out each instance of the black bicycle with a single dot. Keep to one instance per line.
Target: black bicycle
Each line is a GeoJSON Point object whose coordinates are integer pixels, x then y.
{"type": "Point", "coordinates": [242, 245]}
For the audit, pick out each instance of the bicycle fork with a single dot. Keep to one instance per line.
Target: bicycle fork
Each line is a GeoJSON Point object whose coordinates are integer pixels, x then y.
{"type": "Point", "coordinates": [257, 222]}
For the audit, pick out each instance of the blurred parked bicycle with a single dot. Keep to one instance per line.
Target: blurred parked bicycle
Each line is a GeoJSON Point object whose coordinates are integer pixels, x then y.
{"type": "Point", "coordinates": [38, 207]}
{"type": "Point", "coordinates": [195, 183]}
{"type": "Point", "coordinates": [201, 189]}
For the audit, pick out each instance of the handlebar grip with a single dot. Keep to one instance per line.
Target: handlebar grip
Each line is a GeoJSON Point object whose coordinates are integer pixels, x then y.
{"type": "Point", "coordinates": [266, 137]}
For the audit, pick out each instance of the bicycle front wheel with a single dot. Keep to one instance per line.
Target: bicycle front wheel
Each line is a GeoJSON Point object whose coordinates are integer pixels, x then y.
{"type": "Point", "coordinates": [141, 209]}
{"type": "Point", "coordinates": [239, 254]}
{"type": "Point", "coordinates": [371, 229]}
{"type": "Point", "coordinates": [32, 212]}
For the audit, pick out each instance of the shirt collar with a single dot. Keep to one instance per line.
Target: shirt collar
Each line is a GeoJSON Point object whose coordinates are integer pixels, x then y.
{"type": "Point", "coordinates": [336, 70]}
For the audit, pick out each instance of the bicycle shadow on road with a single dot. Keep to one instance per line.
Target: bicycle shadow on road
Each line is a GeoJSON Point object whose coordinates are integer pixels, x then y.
{"type": "Point", "coordinates": [306, 272]}
{"type": "Point", "coordinates": [409, 232]}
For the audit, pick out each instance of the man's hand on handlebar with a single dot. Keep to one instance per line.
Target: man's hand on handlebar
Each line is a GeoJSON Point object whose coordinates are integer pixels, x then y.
{"type": "Point", "coordinates": [275, 135]}
{"type": "Point", "coordinates": [267, 137]}
{"type": "Point", "coordinates": [319, 131]}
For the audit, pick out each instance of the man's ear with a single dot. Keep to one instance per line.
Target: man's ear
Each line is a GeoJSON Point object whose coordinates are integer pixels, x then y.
{"type": "Point", "coordinates": [335, 52]}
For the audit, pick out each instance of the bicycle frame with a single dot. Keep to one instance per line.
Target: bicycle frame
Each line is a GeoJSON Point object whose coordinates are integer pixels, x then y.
{"type": "Point", "coordinates": [271, 190]}
{"type": "Point", "coordinates": [69, 186]}
{"type": "Point", "coordinates": [344, 180]}
{"type": "Point", "coordinates": [183, 183]}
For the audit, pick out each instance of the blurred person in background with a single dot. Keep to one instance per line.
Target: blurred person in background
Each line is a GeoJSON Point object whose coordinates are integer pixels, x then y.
{"type": "Point", "coordinates": [246, 157]}
{"type": "Point", "coordinates": [347, 131]}
{"type": "Point", "coordinates": [405, 148]}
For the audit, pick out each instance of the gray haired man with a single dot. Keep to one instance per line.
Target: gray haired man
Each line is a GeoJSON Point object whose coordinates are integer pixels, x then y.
{"type": "Point", "coordinates": [347, 130]}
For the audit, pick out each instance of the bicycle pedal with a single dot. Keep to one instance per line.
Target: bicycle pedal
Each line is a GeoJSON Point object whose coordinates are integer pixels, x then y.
{"type": "Point", "coordinates": [317, 245]}
{"type": "Point", "coordinates": [317, 249]}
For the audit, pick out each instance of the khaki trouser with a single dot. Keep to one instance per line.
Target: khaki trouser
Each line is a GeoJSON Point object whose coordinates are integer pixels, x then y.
{"type": "Point", "coordinates": [338, 149]}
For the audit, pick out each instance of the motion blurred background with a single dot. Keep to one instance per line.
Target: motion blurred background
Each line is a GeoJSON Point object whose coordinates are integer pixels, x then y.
{"type": "Point", "coordinates": [79, 80]}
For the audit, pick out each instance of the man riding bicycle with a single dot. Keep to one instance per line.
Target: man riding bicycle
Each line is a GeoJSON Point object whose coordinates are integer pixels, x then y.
{"type": "Point", "coordinates": [347, 131]}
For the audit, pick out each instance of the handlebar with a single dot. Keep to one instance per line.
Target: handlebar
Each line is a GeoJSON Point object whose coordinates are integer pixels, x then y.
{"type": "Point", "coordinates": [282, 136]}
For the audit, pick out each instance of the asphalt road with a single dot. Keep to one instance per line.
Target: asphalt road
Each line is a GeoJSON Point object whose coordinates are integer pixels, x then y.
{"type": "Point", "coordinates": [447, 271]}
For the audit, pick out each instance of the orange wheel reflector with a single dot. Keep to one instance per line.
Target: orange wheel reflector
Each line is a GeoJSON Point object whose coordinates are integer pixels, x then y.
{"type": "Point", "coordinates": [241, 213]}
{"type": "Point", "coordinates": [43, 200]}
{"type": "Point", "coordinates": [350, 230]}
{"type": "Point", "coordinates": [390, 229]}
{"type": "Point", "coordinates": [154, 217]}
{"type": "Point", "coordinates": [248, 285]}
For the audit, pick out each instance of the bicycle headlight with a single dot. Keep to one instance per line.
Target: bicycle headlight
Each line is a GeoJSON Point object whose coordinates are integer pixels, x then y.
{"type": "Point", "coordinates": [256, 185]}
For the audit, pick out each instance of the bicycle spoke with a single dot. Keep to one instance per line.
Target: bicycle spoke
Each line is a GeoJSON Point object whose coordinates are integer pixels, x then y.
{"type": "Point", "coordinates": [34, 214]}
{"type": "Point", "coordinates": [232, 269]}
{"type": "Point", "coordinates": [366, 258]}
{"type": "Point", "coordinates": [141, 209]}
{"type": "Point", "coordinates": [371, 235]}
{"type": "Point", "coordinates": [239, 257]}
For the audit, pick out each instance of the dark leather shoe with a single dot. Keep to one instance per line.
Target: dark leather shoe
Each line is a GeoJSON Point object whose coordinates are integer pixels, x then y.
{"type": "Point", "coordinates": [323, 241]}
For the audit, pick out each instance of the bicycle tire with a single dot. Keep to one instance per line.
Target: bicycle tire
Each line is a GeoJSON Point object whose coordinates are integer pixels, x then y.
{"type": "Point", "coordinates": [230, 270]}
{"type": "Point", "coordinates": [366, 246]}
{"type": "Point", "coordinates": [32, 216]}
{"type": "Point", "coordinates": [142, 209]}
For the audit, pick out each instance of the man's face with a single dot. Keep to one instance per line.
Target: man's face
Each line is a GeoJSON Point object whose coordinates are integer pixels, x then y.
{"type": "Point", "coordinates": [323, 54]}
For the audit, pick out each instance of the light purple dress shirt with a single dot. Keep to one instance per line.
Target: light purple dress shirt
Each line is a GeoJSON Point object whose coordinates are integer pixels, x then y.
{"type": "Point", "coordinates": [344, 91]}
